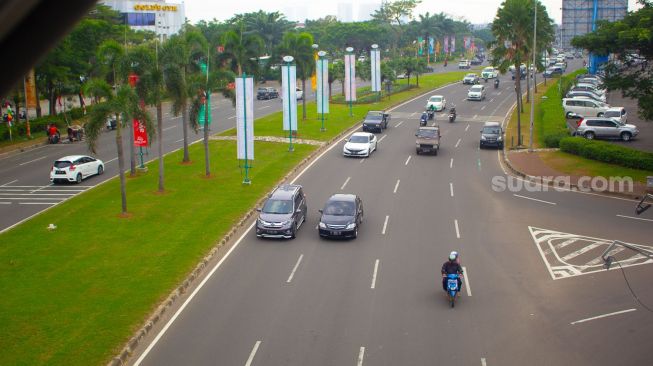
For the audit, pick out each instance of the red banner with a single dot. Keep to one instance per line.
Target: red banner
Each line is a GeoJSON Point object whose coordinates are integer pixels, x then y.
{"type": "Point", "coordinates": [140, 134]}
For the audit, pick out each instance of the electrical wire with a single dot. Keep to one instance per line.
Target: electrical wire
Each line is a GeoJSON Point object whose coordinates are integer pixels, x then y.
{"type": "Point", "coordinates": [632, 292]}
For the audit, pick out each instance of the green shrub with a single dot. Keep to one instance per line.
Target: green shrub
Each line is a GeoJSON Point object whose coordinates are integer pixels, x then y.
{"type": "Point", "coordinates": [553, 140]}
{"type": "Point", "coordinates": [607, 152]}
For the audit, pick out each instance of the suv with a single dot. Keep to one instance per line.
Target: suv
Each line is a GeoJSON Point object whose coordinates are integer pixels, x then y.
{"type": "Point", "coordinates": [428, 140]}
{"type": "Point", "coordinates": [464, 64]}
{"type": "Point", "coordinates": [266, 93]}
{"type": "Point", "coordinates": [608, 128]}
{"type": "Point", "coordinates": [491, 135]}
{"type": "Point", "coordinates": [283, 213]}
{"type": "Point", "coordinates": [476, 92]}
{"type": "Point", "coordinates": [489, 73]}
{"type": "Point", "coordinates": [584, 107]}
{"type": "Point", "coordinates": [376, 121]}
{"type": "Point", "coordinates": [470, 78]}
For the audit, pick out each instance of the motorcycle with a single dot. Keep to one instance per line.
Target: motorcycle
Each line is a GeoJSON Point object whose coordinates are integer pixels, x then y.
{"type": "Point", "coordinates": [485, 79]}
{"type": "Point", "coordinates": [431, 114]}
{"type": "Point", "coordinates": [423, 119]}
{"type": "Point", "coordinates": [496, 83]}
{"type": "Point", "coordinates": [452, 288]}
{"type": "Point", "coordinates": [452, 114]}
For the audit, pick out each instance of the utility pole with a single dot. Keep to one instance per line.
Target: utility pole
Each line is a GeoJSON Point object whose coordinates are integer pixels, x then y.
{"type": "Point", "coordinates": [530, 143]}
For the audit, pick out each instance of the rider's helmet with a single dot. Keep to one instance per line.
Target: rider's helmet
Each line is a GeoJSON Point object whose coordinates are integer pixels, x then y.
{"type": "Point", "coordinates": [453, 256]}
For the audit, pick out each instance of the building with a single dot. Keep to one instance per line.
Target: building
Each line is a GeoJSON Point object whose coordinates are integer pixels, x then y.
{"type": "Point", "coordinates": [579, 16]}
{"type": "Point", "coordinates": [345, 12]}
{"type": "Point", "coordinates": [365, 11]}
{"type": "Point", "coordinates": [158, 16]}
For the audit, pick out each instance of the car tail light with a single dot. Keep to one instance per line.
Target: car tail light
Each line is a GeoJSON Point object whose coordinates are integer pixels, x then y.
{"type": "Point", "coordinates": [579, 122]}
{"type": "Point", "coordinates": [72, 168]}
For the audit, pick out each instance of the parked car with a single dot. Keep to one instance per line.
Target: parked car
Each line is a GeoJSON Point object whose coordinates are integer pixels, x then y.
{"type": "Point", "coordinates": [341, 216]}
{"type": "Point", "coordinates": [438, 102]}
{"type": "Point", "coordinates": [476, 61]}
{"type": "Point", "coordinates": [584, 107]}
{"type": "Point", "coordinates": [590, 90]}
{"type": "Point", "coordinates": [607, 128]}
{"type": "Point", "coordinates": [552, 71]}
{"type": "Point", "coordinates": [360, 144]}
{"type": "Point", "coordinates": [476, 92]}
{"type": "Point", "coordinates": [617, 113]}
{"type": "Point", "coordinates": [283, 213]}
{"type": "Point", "coordinates": [464, 64]}
{"type": "Point", "coordinates": [491, 135]}
{"type": "Point", "coordinates": [591, 87]}
{"type": "Point", "coordinates": [470, 78]}
{"type": "Point", "coordinates": [267, 93]}
{"type": "Point", "coordinates": [401, 76]}
{"type": "Point", "coordinates": [585, 94]}
{"type": "Point", "coordinates": [376, 121]}
{"type": "Point", "coordinates": [75, 168]}
{"type": "Point", "coordinates": [489, 73]}
{"type": "Point", "coordinates": [428, 140]}
{"type": "Point", "coordinates": [299, 94]}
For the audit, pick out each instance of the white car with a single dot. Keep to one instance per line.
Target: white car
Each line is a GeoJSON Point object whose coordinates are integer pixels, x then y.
{"type": "Point", "coordinates": [299, 94]}
{"type": "Point", "coordinates": [476, 92]}
{"type": "Point", "coordinates": [437, 101]}
{"type": "Point", "coordinates": [489, 73]}
{"type": "Point", "coordinates": [75, 168]}
{"type": "Point", "coordinates": [464, 64]}
{"type": "Point", "coordinates": [618, 114]}
{"type": "Point", "coordinates": [360, 144]}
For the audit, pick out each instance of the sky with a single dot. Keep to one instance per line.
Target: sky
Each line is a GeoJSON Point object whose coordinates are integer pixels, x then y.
{"type": "Point", "coordinates": [475, 11]}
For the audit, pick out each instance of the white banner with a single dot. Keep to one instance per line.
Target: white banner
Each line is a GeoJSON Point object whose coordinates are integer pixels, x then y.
{"type": "Point", "coordinates": [289, 96]}
{"type": "Point", "coordinates": [375, 58]}
{"type": "Point", "coordinates": [322, 94]}
{"type": "Point", "coordinates": [350, 78]}
{"type": "Point", "coordinates": [245, 117]}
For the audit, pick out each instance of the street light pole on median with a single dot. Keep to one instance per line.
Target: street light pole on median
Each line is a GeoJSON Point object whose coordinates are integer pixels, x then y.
{"type": "Point", "coordinates": [530, 143]}
{"type": "Point", "coordinates": [322, 58]}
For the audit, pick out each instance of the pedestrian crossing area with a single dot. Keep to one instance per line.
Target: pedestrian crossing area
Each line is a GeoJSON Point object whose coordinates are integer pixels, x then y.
{"type": "Point", "coordinates": [567, 255]}
{"type": "Point", "coordinates": [37, 195]}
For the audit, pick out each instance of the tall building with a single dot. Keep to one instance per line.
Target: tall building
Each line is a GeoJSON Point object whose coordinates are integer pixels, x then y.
{"type": "Point", "coordinates": [158, 16]}
{"type": "Point", "coordinates": [365, 11]}
{"type": "Point", "coordinates": [579, 16]}
{"type": "Point", "coordinates": [345, 12]}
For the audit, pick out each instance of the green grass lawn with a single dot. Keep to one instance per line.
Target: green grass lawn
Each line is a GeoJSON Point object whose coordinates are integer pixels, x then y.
{"type": "Point", "coordinates": [576, 165]}
{"type": "Point", "coordinates": [339, 118]}
{"type": "Point", "coordinates": [511, 129]}
{"type": "Point", "coordinates": [75, 295]}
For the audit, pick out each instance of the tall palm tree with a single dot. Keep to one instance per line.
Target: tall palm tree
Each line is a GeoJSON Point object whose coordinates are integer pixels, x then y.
{"type": "Point", "coordinates": [428, 27]}
{"type": "Point", "coordinates": [269, 26]}
{"type": "Point", "coordinates": [110, 54]}
{"type": "Point", "coordinates": [242, 49]}
{"type": "Point", "coordinates": [299, 46]}
{"type": "Point", "coordinates": [124, 103]}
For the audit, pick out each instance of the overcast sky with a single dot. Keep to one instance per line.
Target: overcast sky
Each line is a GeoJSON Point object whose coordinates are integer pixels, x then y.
{"type": "Point", "coordinates": [475, 11]}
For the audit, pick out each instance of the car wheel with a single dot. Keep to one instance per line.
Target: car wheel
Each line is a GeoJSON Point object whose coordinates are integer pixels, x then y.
{"type": "Point", "coordinates": [356, 232]}
{"type": "Point", "coordinates": [589, 135]}
{"type": "Point", "coordinates": [100, 170]}
{"type": "Point", "coordinates": [417, 151]}
{"type": "Point", "coordinates": [626, 136]}
{"type": "Point", "coordinates": [78, 179]}
{"type": "Point", "coordinates": [293, 234]}
{"type": "Point", "coordinates": [435, 151]}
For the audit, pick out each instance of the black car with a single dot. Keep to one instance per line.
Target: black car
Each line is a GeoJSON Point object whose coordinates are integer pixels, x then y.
{"type": "Point", "coordinates": [283, 213]}
{"type": "Point", "coordinates": [376, 121]}
{"type": "Point", "coordinates": [267, 93]}
{"type": "Point", "coordinates": [491, 135]}
{"type": "Point", "coordinates": [341, 216]}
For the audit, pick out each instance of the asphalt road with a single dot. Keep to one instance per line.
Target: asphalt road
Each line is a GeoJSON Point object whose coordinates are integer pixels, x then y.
{"type": "Point", "coordinates": [535, 293]}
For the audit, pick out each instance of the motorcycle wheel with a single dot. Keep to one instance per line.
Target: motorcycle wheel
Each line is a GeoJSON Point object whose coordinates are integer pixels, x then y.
{"type": "Point", "coordinates": [452, 300]}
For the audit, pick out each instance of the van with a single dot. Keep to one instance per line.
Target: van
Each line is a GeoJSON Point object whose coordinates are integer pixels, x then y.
{"type": "Point", "coordinates": [618, 114]}
{"type": "Point", "coordinates": [283, 213]}
{"type": "Point", "coordinates": [584, 107]}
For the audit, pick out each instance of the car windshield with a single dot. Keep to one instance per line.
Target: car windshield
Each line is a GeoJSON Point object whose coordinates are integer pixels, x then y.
{"type": "Point", "coordinates": [359, 139]}
{"type": "Point", "coordinates": [492, 130]}
{"type": "Point", "coordinates": [475, 88]}
{"type": "Point", "coordinates": [426, 133]}
{"type": "Point", "coordinates": [471, 75]}
{"type": "Point", "coordinates": [373, 116]}
{"type": "Point", "coordinates": [436, 99]}
{"type": "Point", "coordinates": [340, 208]}
{"type": "Point", "coordinates": [62, 164]}
{"type": "Point", "coordinates": [262, 90]}
{"type": "Point", "coordinates": [613, 114]}
{"type": "Point", "coordinates": [278, 207]}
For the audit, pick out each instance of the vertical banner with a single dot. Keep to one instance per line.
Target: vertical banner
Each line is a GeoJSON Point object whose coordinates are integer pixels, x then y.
{"type": "Point", "coordinates": [431, 45]}
{"type": "Point", "coordinates": [446, 44]}
{"type": "Point", "coordinates": [350, 78]}
{"type": "Point", "coordinates": [140, 134]}
{"type": "Point", "coordinates": [289, 96]}
{"type": "Point", "coordinates": [437, 47]}
{"type": "Point", "coordinates": [420, 42]}
{"type": "Point", "coordinates": [453, 43]}
{"type": "Point", "coordinates": [322, 95]}
{"type": "Point", "coordinates": [314, 76]}
{"type": "Point", "coordinates": [473, 46]}
{"type": "Point", "coordinates": [245, 117]}
{"type": "Point", "coordinates": [375, 57]}
{"type": "Point", "coordinates": [30, 89]}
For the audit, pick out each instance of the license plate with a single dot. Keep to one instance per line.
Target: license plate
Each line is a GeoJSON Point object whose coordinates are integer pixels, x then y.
{"type": "Point", "coordinates": [59, 172]}
{"type": "Point", "coordinates": [335, 233]}
{"type": "Point", "coordinates": [453, 284]}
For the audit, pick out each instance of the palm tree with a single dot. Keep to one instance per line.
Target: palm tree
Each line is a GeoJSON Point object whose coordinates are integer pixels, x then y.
{"type": "Point", "coordinates": [428, 27]}
{"type": "Point", "coordinates": [243, 49]}
{"type": "Point", "coordinates": [269, 26]}
{"type": "Point", "coordinates": [299, 46]}
{"type": "Point", "coordinates": [125, 103]}
{"type": "Point", "coordinates": [110, 54]}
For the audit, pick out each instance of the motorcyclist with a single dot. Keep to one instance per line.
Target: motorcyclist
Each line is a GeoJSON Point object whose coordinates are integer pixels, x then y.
{"type": "Point", "coordinates": [424, 118]}
{"type": "Point", "coordinates": [431, 111]}
{"type": "Point", "coordinates": [452, 266]}
{"type": "Point", "coordinates": [53, 134]}
{"type": "Point", "coordinates": [496, 83]}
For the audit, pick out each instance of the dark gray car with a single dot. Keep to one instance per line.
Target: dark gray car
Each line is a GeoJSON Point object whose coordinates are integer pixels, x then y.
{"type": "Point", "coordinates": [283, 213]}
{"type": "Point", "coordinates": [341, 216]}
{"type": "Point", "coordinates": [492, 135]}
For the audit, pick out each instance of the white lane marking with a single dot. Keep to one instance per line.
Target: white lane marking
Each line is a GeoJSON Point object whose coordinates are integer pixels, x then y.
{"type": "Point", "coordinates": [107, 162]}
{"type": "Point", "coordinates": [457, 229]}
{"type": "Point", "coordinates": [361, 355]}
{"type": "Point", "coordinates": [385, 225]}
{"type": "Point", "coordinates": [31, 161]}
{"type": "Point", "coordinates": [180, 140]}
{"type": "Point", "coordinates": [580, 251]}
{"type": "Point", "coordinates": [253, 353]}
{"type": "Point", "coordinates": [458, 143]}
{"type": "Point", "coordinates": [38, 189]}
{"type": "Point", "coordinates": [534, 199]}
{"type": "Point", "coordinates": [464, 99]}
{"type": "Point", "coordinates": [192, 295]}
{"type": "Point", "coordinates": [491, 100]}
{"type": "Point", "coordinates": [603, 316]}
{"type": "Point", "coordinates": [399, 124]}
{"type": "Point", "coordinates": [451, 164]}
{"type": "Point", "coordinates": [451, 189]}
{"type": "Point", "coordinates": [407, 160]}
{"type": "Point", "coordinates": [382, 137]}
{"type": "Point", "coordinates": [467, 128]}
{"type": "Point", "coordinates": [376, 269]}
{"type": "Point", "coordinates": [344, 184]}
{"type": "Point", "coordinates": [483, 363]}
{"type": "Point", "coordinates": [499, 93]}
{"type": "Point", "coordinates": [482, 108]}
{"type": "Point", "coordinates": [476, 115]}
{"type": "Point", "coordinates": [34, 203]}
{"type": "Point", "coordinates": [265, 106]}
{"type": "Point", "coordinates": [413, 114]}
{"type": "Point", "coordinates": [466, 276]}
{"type": "Point", "coordinates": [362, 161]}
{"type": "Point", "coordinates": [232, 117]}
{"type": "Point", "coordinates": [5, 203]}
{"type": "Point", "coordinates": [396, 186]}
{"type": "Point", "coordinates": [292, 274]}
{"type": "Point", "coordinates": [13, 181]}
{"type": "Point", "coordinates": [634, 218]}
{"type": "Point", "coordinates": [169, 128]}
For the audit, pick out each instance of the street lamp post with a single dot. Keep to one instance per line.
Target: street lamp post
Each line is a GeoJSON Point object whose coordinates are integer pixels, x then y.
{"type": "Point", "coordinates": [350, 51]}
{"type": "Point", "coordinates": [530, 143]}
{"type": "Point", "coordinates": [288, 60]}
{"type": "Point", "coordinates": [322, 58]}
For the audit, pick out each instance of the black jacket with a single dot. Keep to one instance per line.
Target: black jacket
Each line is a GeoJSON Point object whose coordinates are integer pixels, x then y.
{"type": "Point", "coordinates": [450, 267]}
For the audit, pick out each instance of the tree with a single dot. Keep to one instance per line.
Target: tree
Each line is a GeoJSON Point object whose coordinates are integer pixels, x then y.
{"type": "Point", "coordinates": [109, 55]}
{"type": "Point", "coordinates": [299, 46]}
{"type": "Point", "coordinates": [630, 41]}
{"type": "Point", "coordinates": [336, 72]}
{"type": "Point", "coordinates": [125, 103]}
{"type": "Point", "coordinates": [269, 26]}
{"type": "Point", "coordinates": [392, 13]}
{"type": "Point", "coordinates": [242, 49]}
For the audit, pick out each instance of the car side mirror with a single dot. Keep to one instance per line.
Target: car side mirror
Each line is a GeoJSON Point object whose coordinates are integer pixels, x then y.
{"type": "Point", "coordinates": [299, 210]}
{"type": "Point", "coordinates": [320, 211]}
{"type": "Point", "coordinates": [258, 209]}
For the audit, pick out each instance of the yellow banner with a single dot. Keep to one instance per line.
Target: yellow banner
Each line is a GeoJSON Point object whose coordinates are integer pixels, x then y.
{"type": "Point", "coordinates": [314, 76]}
{"type": "Point", "coordinates": [30, 89]}
{"type": "Point", "coordinates": [154, 7]}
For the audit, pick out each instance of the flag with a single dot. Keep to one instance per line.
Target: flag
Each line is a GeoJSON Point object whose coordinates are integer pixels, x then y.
{"type": "Point", "coordinates": [431, 45]}
{"type": "Point", "coordinates": [437, 47]}
{"type": "Point", "coordinates": [420, 41]}
{"type": "Point", "coordinates": [453, 43]}
{"type": "Point", "coordinates": [322, 92]}
{"type": "Point", "coordinates": [289, 97]}
{"type": "Point", "coordinates": [350, 78]}
{"type": "Point", "coordinates": [446, 44]}
{"type": "Point", "coordinates": [375, 58]}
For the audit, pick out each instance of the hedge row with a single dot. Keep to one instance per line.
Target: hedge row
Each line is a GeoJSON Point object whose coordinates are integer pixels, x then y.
{"type": "Point", "coordinates": [19, 128]}
{"type": "Point", "coordinates": [607, 152]}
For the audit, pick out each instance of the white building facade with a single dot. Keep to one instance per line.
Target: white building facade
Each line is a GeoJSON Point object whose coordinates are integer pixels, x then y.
{"type": "Point", "coordinates": [158, 16]}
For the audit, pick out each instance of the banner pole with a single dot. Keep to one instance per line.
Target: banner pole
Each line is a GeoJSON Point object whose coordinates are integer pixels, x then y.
{"type": "Point", "coordinates": [246, 180]}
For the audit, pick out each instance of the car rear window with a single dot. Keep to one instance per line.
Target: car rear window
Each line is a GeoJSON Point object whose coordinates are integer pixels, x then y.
{"type": "Point", "coordinates": [60, 164]}
{"type": "Point", "coordinates": [427, 133]}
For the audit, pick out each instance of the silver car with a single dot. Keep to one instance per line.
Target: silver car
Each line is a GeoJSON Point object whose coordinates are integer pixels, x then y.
{"type": "Point", "coordinates": [606, 128]}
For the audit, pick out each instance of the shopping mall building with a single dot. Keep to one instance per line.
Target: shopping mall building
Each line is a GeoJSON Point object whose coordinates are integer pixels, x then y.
{"type": "Point", "coordinates": [158, 16]}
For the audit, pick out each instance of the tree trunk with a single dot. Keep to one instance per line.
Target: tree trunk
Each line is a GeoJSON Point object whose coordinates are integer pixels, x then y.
{"type": "Point", "coordinates": [519, 108]}
{"type": "Point", "coordinates": [38, 102]}
{"type": "Point", "coordinates": [121, 170]}
{"type": "Point", "coordinates": [206, 139]}
{"type": "Point", "coordinates": [304, 99]}
{"type": "Point", "coordinates": [184, 127]}
{"type": "Point", "coordinates": [132, 149]}
{"type": "Point", "coordinates": [342, 82]}
{"type": "Point", "coordinates": [417, 79]}
{"type": "Point", "coordinates": [159, 125]}
{"type": "Point", "coordinates": [52, 99]}
{"type": "Point", "coordinates": [535, 81]}
{"type": "Point", "coordinates": [330, 94]}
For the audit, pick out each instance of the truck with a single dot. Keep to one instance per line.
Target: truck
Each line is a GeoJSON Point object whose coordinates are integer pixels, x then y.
{"type": "Point", "coordinates": [376, 121]}
{"type": "Point", "coordinates": [428, 140]}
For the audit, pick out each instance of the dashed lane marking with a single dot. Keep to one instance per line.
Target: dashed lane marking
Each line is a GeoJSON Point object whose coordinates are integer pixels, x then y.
{"type": "Point", "coordinates": [382, 137]}
{"type": "Point", "coordinates": [399, 124]}
{"type": "Point", "coordinates": [407, 160]}
{"type": "Point", "coordinates": [376, 270]}
{"type": "Point", "coordinates": [458, 143]}
{"type": "Point", "coordinates": [634, 218]}
{"type": "Point", "coordinates": [292, 274]}
{"type": "Point", "coordinates": [385, 225]}
{"type": "Point", "coordinates": [466, 277]}
{"type": "Point", "coordinates": [534, 199]}
{"type": "Point", "coordinates": [31, 161]}
{"type": "Point", "coordinates": [253, 353]}
{"type": "Point", "coordinates": [344, 184]}
{"type": "Point", "coordinates": [361, 355]}
{"type": "Point", "coordinates": [396, 186]}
